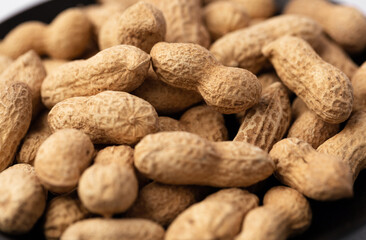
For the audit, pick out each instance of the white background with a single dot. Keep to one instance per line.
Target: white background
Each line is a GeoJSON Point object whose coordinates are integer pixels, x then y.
{"type": "Point", "coordinates": [11, 7]}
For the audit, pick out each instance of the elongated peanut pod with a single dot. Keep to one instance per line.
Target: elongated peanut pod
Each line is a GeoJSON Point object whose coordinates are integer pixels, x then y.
{"type": "Point", "coordinates": [324, 88]}
{"type": "Point", "coordinates": [192, 67]}
{"type": "Point", "coordinates": [317, 175]}
{"type": "Point", "coordinates": [185, 158]}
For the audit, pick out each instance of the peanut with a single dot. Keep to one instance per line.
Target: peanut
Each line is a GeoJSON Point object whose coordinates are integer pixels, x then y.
{"type": "Point", "coordinates": [349, 144]}
{"type": "Point", "coordinates": [324, 88]}
{"type": "Point", "coordinates": [65, 38]}
{"type": "Point", "coordinates": [222, 17]}
{"type": "Point", "coordinates": [332, 53]}
{"type": "Point", "coordinates": [122, 2]}
{"type": "Point", "coordinates": [22, 199]}
{"type": "Point", "coordinates": [15, 115]}
{"type": "Point", "coordinates": [349, 30]}
{"type": "Point", "coordinates": [141, 25]}
{"type": "Point", "coordinates": [37, 134]}
{"type": "Point", "coordinates": [29, 69]}
{"type": "Point", "coordinates": [316, 175]}
{"type": "Point", "coordinates": [310, 128]}
{"type": "Point", "coordinates": [4, 62]}
{"type": "Point", "coordinates": [120, 68]}
{"type": "Point", "coordinates": [285, 212]}
{"type": "Point", "coordinates": [107, 118]}
{"type": "Point", "coordinates": [183, 21]}
{"type": "Point", "coordinates": [192, 67]}
{"type": "Point", "coordinates": [267, 122]}
{"type": "Point", "coordinates": [113, 167]}
{"type": "Point", "coordinates": [185, 158]}
{"type": "Point", "coordinates": [359, 88]}
{"type": "Point", "coordinates": [219, 216]}
{"type": "Point", "coordinates": [242, 48]}
{"type": "Point", "coordinates": [62, 158]}
{"type": "Point", "coordinates": [113, 229]}
{"type": "Point", "coordinates": [60, 213]}
{"type": "Point", "coordinates": [201, 120]}
{"type": "Point", "coordinates": [162, 203]}
{"type": "Point", "coordinates": [51, 65]}
{"type": "Point", "coordinates": [166, 99]}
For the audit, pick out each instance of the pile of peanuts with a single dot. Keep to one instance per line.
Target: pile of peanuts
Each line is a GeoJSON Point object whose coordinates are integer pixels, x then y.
{"type": "Point", "coordinates": [113, 119]}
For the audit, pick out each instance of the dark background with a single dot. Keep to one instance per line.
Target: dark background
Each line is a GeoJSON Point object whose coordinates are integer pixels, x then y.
{"type": "Point", "coordinates": [339, 220]}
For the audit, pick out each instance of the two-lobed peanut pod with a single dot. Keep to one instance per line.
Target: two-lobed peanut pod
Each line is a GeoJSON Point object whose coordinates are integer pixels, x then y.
{"type": "Point", "coordinates": [242, 48]}
{"type": "Point", "coordinates": [317, 175]}
{"type": "Point", "coordinates": [325, 89]}
{"type": "Point", "coordinates": [192, 67]}
{"type": "Point", "coordinates": [66, 37]}
{"type": "Point", "coordinates": [185, 158]}
{"type": "Point", "coordinates": [119, 68]}
{"type": "Point", "coordinates": [109, 117]}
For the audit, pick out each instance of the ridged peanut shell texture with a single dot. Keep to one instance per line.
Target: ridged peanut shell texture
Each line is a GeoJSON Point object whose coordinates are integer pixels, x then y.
{"type": "Point", "coordinates": [114, 229]}
{"type": "Point", "coordinates": [62, 158]}
{"type": "Point", "coordinates": [359, 88]}
{"type": "Point", "coordinates": [316, 175]}
{"type": "Point", "coordinates": [266, 123]}
{"type": "Point", "coordinates": [162, 203]}
{"type": "Point", "coordinates": [183, 21]}
{"type": "Point", "coordinates": [113, 167]}
{"type": "Point", "coordinates": [15, 118]}
{"type": "Point", "coordinates": [350, 143]}
{"type": "Point", "coordinates": [219, 216]}
{"type": "Point", "coordinates": [192, 67]}
{"type": "Point", "coordinates": [285, 212]}
{"type": "Point", "coordinates": [185, 158]}
{"type": "Point", "coordinates": [345, 24]}
{"type": "Point", "coordinates": [119, 68]}
{"type": "Point", "coordinates": [65, 38]}
{"type": "Point", "coordinates": [22, 199]}
{"type": "Point", "coordinates": [141, 25]}
{"type": "Point", "coordinates": [109, 117]}
{"type": "Point", "coordinates": [28, 68]}
{"type": "Point", "coordinates": [324, 88]}
{"type": "Point", "coordinates": [242, 48]}
{"type": "Point", "coordinates": [60, 213]}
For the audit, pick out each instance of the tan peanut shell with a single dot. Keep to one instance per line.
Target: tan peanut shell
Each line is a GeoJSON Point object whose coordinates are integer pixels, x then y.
{"type": "Point", "coordinates": [359, 88]}
{"type": "Point", "coordinates": [324, 88]}
{"type": "Point", "coordinates": [120, 68]}
{"type": "Point", "coordinates": [16, 116]}
{"type": "Point", "coordinates": [60, 213]}
{"type": "Point", "coordinates": [37, 134]}
{"type": "Point", "coordinates": [168, 124]}
{"type": "Point", "coordinates": [162, 203]}
{"type": "Point", "coordinates": [332, 53]}
{"type": "Point", "coordinates": [109, 117]}
{"type": "Point", "coordinates": [23, 199]}
{"type": "Point", "coordinates": [184, 23]}
{"type": "Point", "coordinates": [62, 158]}
{"type": "Point", "coordinates": [222, 17]}
{"type": "Point", "coordinates": [4, 62]}
{"type": "Point", "coordinates": [66, 37]}
{"type": "Point", "coordinates": [242, 48]}
{"type": "Point", "coordinates": [52, 64]}
{"type": "Point", "coordinates": [298, 108]}
{"type": "Point", "coordinates": [142, 25]}
{"type": "Point", "coordinates": [285, 212]}
{"type": "Point", "coordinates": [317, 175]}
{"type": "Point", "coordinates": [311, 129]}
{"type": "Point", "coordinates": [29, 69]}
{"type": "Point", "coordinates": [346, 25]}
{"type": "Point", "coordinates": [185, 158]}
{"type": "Point", "coordinates": [114, 229]}
{"type": "Point", "coordinates": [267, 122]}
{"type": "Point", "coordinates": [192, 67]}
{"type": "Point", "coordinates": [349, 144]}
{"type": "Point", "coordinates": [166, 99]}
{"type": "Point", "coordinates": [219, 216]}
{"type": "Point", "coordinates": [113, 167]}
